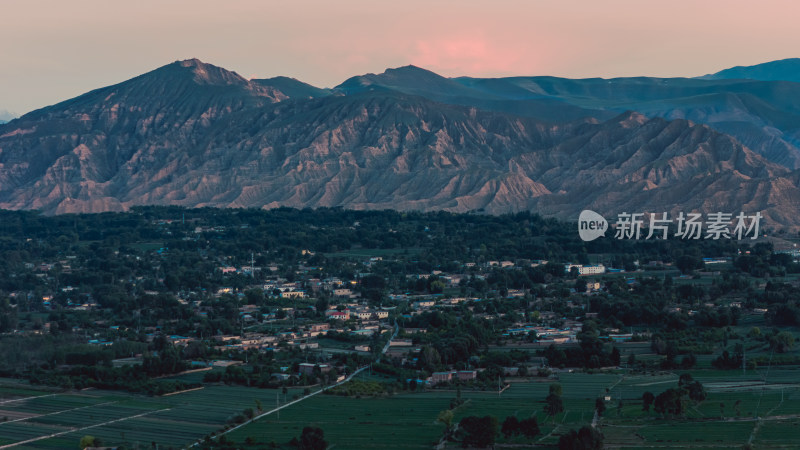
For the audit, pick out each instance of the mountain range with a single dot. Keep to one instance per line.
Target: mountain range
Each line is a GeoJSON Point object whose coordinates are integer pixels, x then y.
{"type": "Point", "coordinates": [193, 134]}
{"type": "Point", "coordinates": [782, 70]}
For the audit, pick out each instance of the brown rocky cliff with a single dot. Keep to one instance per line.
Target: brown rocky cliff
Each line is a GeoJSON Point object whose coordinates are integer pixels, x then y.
{"type": "Point", "coordinates": [193, 134]}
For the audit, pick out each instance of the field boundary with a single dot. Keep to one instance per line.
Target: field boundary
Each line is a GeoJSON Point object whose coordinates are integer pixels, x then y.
{"type": "Point", "coordinates": [28, 398]}
{"type": "Point", "coordinates": [75, 430]}
{"type": "Point", "coordinates": [350, 377]}
{"type": "Point", "coordinates": [36, 416]}
{"type": "Point", "coordinates": [184, 391]}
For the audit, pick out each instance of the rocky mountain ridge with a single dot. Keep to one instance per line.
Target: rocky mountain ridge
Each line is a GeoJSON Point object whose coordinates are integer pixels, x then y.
{"type": "Point", "coordinates": [194, 134]}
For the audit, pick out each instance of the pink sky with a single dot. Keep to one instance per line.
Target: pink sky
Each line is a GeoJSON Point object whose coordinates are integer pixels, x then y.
{"type": "Point", "coordinates": [54, 50]}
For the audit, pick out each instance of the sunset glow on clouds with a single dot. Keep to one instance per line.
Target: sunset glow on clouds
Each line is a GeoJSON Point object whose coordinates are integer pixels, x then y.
{"type": "Point", "coordinates": [54, 51]}
{"type": "Point", "coordinates": [465, 54]}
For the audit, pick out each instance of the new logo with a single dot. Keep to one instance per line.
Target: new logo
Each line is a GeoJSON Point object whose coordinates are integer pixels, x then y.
{"type": "Point", "coordinates": [591, 225]}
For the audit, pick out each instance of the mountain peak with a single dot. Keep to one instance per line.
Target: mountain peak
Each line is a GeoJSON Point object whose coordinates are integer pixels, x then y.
{"type": "Point", "coordinates": [189, 83]}
{"type": "Point", "coordinates": [205, 73]}
{"type": "Point", "coordinates": [191, 62]}
{"type": "Point", "coordinates": [409, 79]}
{"type": "Point", "coordinates": [409, 68]}
{"type": "Point", "coordinates": [410, 71]}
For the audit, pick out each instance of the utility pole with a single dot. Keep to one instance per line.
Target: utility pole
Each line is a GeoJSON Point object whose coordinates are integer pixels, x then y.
{"type": "Point", "coordinates": [241, 324]}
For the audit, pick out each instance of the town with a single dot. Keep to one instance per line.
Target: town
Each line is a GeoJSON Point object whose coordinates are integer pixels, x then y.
{"type": "Point", "coordinates": [160, 301]}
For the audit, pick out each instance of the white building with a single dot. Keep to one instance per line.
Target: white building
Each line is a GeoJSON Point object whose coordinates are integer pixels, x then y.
{"type": "Point", "coordinates": [594, 269]}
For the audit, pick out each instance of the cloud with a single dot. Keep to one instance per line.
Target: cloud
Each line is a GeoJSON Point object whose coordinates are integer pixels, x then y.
{"type": "Point", "coordinates": [465, 54]}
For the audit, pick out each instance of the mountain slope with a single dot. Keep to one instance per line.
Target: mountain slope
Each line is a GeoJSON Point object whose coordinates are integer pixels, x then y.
{"type": "Point", "coordinates": [763, 114]}
{"type": "Point", "coordinates": [223, 141]}
{"type": "Point", "coordinates": [416, 81]}
{"type": "Point", "coordinates": [193, 134]}
{"type": "Point", "coordinates": [756, 113]}
{"type": "Point", "coordinates": [407, 79]}
{"type": "Point", "coordinates": [76, 148]}
{"type": "Point", "coordinates": [781, 70]}
{"type": "Point", "coordinates": [292, 88]}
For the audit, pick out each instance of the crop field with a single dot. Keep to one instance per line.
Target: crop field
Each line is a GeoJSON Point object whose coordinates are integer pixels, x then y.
{"type": "Point", "coordinates": [401, 421]}
{"type": "Point", "coordinates": [59, 420]}
{"type": "Point", "coordinates": [779, 433]}
{"type": "Point", "coordinates": [10, 391]}
{"type": "Point", "coordinates": [679, 434]}
{"type": "Point", "coordinates": [409, 420]}
{"type": "Point", "coordinates": [718, 422]}
{"type": "Point", "coordinates": [737, 407]}
{"type": "Point", "coordinates": [356, 423]}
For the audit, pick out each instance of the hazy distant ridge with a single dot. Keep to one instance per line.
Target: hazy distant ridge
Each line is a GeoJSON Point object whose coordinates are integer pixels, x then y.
{"type": "Point", "coordinates": [782, 70]}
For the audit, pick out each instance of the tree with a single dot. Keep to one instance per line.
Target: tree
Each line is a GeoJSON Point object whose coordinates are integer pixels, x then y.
{"type": "Point", "coordinates": [688, 361]}
{"type": "Point", "coordinates": [529, 427]}
{"type": "Point", "coordinates": [616, 357]}
{"type": "Point", "coordinates": [600, 406]}
{"type": "Point", "coordinates": [312, 438]}
{"type": "Point", "coordinates": [647, 400]}
{"type": "Point", "coordinates": [693, 388]}
{"type": "Point", "coordinates": [321, 306]}
{"type": "Point", "coordinates": [580, 285]}
{"type": "Point", "coordinates": [670, 402]}
{"type": "Point", "coordinates": [431, 358]}
{"type": "Point", "coordinates": [587, 438]}
{"type": "Point", "coordinates": [87, 441]}
{"type": "Point", "coordinates": [446, 418]}
{"type": "Point", "coordinates": [553, 405]}
{"type": "Point", "coordinates": [782, 342]}
{"type": "Point", "coordinates": [510, 427]}
{"type": "Point", "coordinates": [478, 431]}
{"type": "Point", "coordinates": [686, 263]}
{"type": "Point", "coordinates": [726, 361]}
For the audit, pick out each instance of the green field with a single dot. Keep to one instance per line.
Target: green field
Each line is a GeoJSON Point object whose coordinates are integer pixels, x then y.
{"type": "Point", "coordinates": [769, 412]}
{"type": "Point", "coordinates": [121, 418]}
{"type": "Point", "coordinates": [409, 420]}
